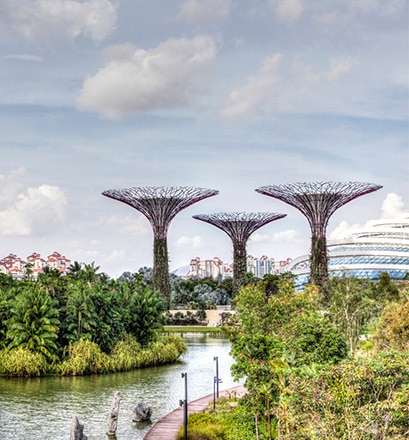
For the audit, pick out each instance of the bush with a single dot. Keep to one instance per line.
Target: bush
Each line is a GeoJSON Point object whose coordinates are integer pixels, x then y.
{"type": "Point", "coordinates": [84, 357]}
{"type": "Point", "coordinates": [21, 362]}
{"type": "Point", "coordinates": [204, 426]}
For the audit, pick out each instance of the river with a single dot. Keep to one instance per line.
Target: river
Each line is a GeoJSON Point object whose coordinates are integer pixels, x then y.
{"type": "Point", "coordinates": [42, 408]}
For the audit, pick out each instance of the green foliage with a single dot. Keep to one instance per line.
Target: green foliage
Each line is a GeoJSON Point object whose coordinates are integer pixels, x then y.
{"type": "Point", "coordinates": [22, 362]}
{"type": "Point", "coordinates": [107, 316]}
{"type": "Point", "coordinates": [203, 293]}
{"type": "Point", "coordinates": [203, 426]}
{"type": "Point", "coordinates": [314, 340]}
{"type": "Point", "coordinates": [104, 324]}
{"type": "Point", "coordinates": [361, 399]}
{"type": "Point", "coordinates": [189, 318]}
{"type": "Point", "coordinates": [126, 354]}
{"type": "Point", "coordinates": [33, 323]}
{"type": "Point", "coordinates": [353, 304]}
{"type": "Point", "coordinates": [278, 331]}
{"type": "Point", "coordinates": [7, 293]}
{"type": "Point", "coordinates": [145, 314]}
{"type": "Point", "coordinates": [392, 331]}
{"type": "Point", "coordinates": [79, 319]}
{"type": "Point", "coordinates": [385, 289]}
{"type": "Point", "coordinates": [84, 357]}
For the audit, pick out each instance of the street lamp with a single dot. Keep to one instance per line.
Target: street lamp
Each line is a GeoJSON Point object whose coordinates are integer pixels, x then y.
{"type": "Point", "coordinates": [216, 358]}
{"type": "Point", "coordinates": [216, 382]}
{"type": "Point", "coordinates": [184, 404]}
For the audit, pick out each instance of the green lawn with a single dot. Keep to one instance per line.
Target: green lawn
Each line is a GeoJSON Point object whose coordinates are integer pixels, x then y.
{"type": "Point", "coordinates": [190, 329]}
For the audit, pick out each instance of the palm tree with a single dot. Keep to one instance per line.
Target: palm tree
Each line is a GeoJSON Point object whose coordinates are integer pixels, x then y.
{"type": "Point", "coordinates": [146, 309]}
{"type": "Point", "coordinates": [79, 311]}
{"type": "Point", "coordinates": [74, 269]}
{"type": "Point", "coordinates": [51, 279]}
{"type": "Point", "coordinates": [34, 322]}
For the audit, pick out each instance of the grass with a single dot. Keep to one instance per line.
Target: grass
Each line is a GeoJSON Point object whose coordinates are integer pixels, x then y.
{"type": "Point", "coordinates": [190, 329]}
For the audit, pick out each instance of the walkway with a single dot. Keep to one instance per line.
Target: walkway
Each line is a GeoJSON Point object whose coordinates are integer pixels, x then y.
{"type": "Point", "coordinates": [168, 427]}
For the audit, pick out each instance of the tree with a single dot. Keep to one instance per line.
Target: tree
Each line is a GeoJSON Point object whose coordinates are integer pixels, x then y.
{"type": "Point", "coordinates": [34, 321]}
{"type": "Point", "coordinates": [145, 314]}
{"type": "Point", "coordinates": [7, 295]}
{"type": "Point", "coordinates": [392, 331]}
{"type": "Point", "coordinates": [79, 319]}
{"type": "Point", "coordinates": [279, 332]}
{"type": "Point", "coordinates": [385, 289]}
{"type": "Point", "coordinates": [351, 305]}
{"type": "Point", "coordinates": [365, 398]}
{"type": "Point", "coordinates": [52, 281]}
{"type": "Point", "coordinates": [108, 311]}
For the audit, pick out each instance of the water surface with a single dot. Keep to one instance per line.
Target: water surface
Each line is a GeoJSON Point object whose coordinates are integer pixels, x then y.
{"type": "Point", "coordinates": [42, 408]}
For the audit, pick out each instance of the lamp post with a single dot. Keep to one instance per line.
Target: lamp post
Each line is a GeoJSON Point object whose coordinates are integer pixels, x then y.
{"type": "Point", "coordinates": [184, 404]}
{"type": "Point", "coordinates": [216, 358]}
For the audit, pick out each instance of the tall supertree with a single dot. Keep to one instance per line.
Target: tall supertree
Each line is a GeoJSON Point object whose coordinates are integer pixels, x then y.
{"type": "Point", "coordinates": [239, 226]}
{"type": "Point", "coordinates": [318, 201]}
{"type": "Point", "coordinates": [160, 205]}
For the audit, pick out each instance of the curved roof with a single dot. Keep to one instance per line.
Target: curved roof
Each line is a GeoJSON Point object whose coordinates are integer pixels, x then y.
{"type": "Point", "coordinates": [383, 246]}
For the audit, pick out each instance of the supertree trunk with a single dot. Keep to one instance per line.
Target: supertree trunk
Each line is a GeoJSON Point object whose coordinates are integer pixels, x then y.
{"type": "Point", "coordinates": [239, 226]}
{"type": "Point", "coordinates": [319, 264]}
{"type": "Point", "coordinates": [317, 201]}
{"type": "Point", "coordinates": [160, 205]}
{"type": "Point", "coordinates": [239, 265]}
{"type": "Point", "coordinates": [160, 275]}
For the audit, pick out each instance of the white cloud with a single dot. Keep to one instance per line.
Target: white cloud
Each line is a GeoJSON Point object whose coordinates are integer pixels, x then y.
{"type": "Point", "coordinates": [191, 242]}
{"type": "Point", "coordinates": [129, 225]}
{"type": "Point", "coordinates": [259, 238]}
{"type": "Point", "coordinates": [195, 11]}
{"type": "Point", "coordinates": [380, 7]}
{"type": "Point", "coordinates": [290, 10]}
{"type": "Point", "coordinates": [116, 256]}
{"type": "Point", "coordinates": [392, 206]}
{"type": "Point", "coordinates": [343, 230]}
{"type": "Point", "coordinates": [24, 57]}
{"type": "Point", "coordinates": [44, 20]}
{"type": "Point", "coordinates": [244, 101]}
{"type": "Point", "coordinates": [138, 80]}
{"type": "Point", "coordinates": [31, 210]}
{"type": "Point", "coordinates": [289, 235]}
{"type": "Point", "coordinates": [338, 67]}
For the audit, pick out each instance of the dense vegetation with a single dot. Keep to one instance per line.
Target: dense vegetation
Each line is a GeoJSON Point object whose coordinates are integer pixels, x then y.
{"type": "Point", "coordinates": [339, 371]}
{"type": "Point", "coordinates": [81, 323]}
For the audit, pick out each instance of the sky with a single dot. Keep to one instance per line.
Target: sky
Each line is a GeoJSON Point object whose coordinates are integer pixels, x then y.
{"type": "Point", "coordinates": [228, 95]}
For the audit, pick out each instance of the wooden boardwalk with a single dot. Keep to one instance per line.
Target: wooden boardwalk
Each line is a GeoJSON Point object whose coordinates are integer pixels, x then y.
{"type": "Point", "coordinates": [168, 427]}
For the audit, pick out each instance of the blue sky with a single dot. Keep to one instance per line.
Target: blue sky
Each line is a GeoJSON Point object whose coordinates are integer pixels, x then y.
{"type": "Point", "coordinates": [222, 94]}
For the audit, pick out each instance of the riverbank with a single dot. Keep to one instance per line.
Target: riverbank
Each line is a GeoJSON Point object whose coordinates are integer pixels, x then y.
{"type": "Point", "coordinates": [168, 427]}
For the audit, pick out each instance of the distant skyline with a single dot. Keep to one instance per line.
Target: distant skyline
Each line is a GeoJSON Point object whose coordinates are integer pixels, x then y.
{"type": "Point", "coordinates": [223, 94]}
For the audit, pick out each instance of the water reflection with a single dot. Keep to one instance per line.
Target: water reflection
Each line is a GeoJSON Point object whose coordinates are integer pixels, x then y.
{"type": "Point", "coordinates": [38, 409]}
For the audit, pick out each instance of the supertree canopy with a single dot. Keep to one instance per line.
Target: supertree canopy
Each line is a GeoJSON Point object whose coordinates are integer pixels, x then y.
{"type": "Point", "coordinates": [239, 226]}
{"type": "Point", "coordinates": [160, 205]}
{"type": "Point", "coordinates": [318, 201]}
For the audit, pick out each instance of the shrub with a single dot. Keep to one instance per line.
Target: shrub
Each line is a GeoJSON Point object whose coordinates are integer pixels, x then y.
{"type": "Point", "coordinates": [84, 357]}
{"type": "Point", "coordinates": [204, 426]}
{"type": "Point", "coordinates": [22, 362]}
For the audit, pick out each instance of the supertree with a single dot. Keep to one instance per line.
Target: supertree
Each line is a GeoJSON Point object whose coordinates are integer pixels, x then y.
{"type": "Point", "coordinates": [318, 201]}
{"type": "Point", "coordinates": [160, 205]}
{"type": "Point", "coordinates": [239, 226]}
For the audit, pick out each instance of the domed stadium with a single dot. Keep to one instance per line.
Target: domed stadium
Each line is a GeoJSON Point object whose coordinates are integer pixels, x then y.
{"type": "Point", "coordinates": [383, 246]}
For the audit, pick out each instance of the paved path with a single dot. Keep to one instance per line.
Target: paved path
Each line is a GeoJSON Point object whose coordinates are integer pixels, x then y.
{"type": "Point", "coordinates": [168, 427]}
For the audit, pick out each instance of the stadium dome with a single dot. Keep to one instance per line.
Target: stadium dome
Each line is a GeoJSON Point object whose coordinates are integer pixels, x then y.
{"type": "Point", "coordinates": [382, 246]}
